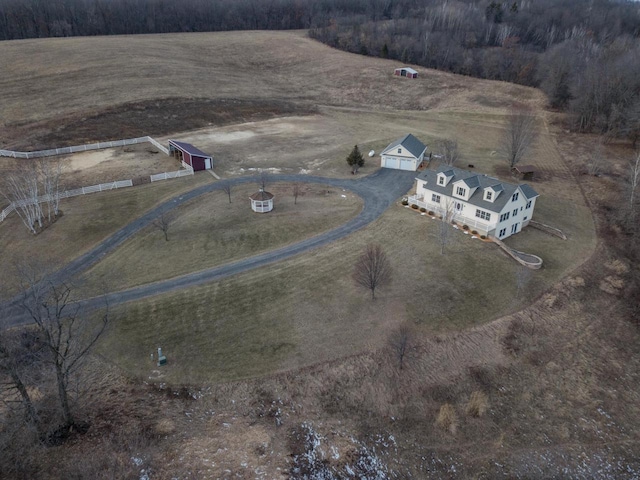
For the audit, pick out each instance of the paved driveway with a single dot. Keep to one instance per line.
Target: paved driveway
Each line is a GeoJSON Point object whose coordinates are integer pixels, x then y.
{"type": "Point", "coordinates": [378, 191]}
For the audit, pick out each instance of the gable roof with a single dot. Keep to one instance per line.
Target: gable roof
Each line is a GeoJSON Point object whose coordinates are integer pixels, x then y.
{"type": "Point", "coordinates": [408, 69]}
{"type": "Point", "coordinates": [528, 191]}
{"type": "Point", "coordinates": [483, 181]}
{"type": "Point", "coordinates": [190, 149]}
{"type": "Point", "coordinates": [414, 146]}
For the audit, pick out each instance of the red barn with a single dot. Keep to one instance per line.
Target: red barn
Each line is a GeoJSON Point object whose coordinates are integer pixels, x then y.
{"type": "Point", "coordinates": [406, 72]}
{"type": "Point", "coordinates": [190, 155]}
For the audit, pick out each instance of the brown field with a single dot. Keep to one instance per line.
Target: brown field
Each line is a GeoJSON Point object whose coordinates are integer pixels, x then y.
{"type": "Point", "coordinates": [297, 341]}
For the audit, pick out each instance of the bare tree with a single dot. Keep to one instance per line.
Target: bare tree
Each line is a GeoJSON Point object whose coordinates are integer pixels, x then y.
{"type": "Point", "coordinates": [264, 179]}
{"type": "Point", "coordinates": [226, 188]}
{"type": "Point", "coordinates": [21, 188]}
{"type": "Point", "coordinates": [162, 223]}
{"type": "Point", "coordinates": [449, 151]}
{"type": "Point", "coordinates": [519, 135]}
{"type": "Point", "coordinates": [448, 215]}
{"type": "Point", "coordinates": [400, 342]}
{"type": "Point", "coordinates": [50, 171]}
{"type": "Point", "coordinates": [10, 366]}
{"type": "Point", "coordinates": [634, 180]}
{"type": "Point", "coordinates": [372, 270]}
{"type": "Point", "coordinates": [296, 193]}
{"type": "Point", "coordinates": [68, 335]}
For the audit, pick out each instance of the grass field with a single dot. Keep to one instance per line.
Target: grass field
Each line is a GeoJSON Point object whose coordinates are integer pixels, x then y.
{"type": "Point", "coordinates": [210, 231]}
{"type": "Point", "coordinates": [86, 221]}
{"type": "Point", "coordinates": [308, 310]}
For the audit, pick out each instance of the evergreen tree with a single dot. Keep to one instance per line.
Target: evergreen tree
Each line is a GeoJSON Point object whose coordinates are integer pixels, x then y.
{"type": "Point", "coordinates": [355, 160]}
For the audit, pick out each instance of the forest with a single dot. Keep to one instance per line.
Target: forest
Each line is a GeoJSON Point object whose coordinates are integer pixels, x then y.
{"type": "Point", "coordinates": [584, 54]}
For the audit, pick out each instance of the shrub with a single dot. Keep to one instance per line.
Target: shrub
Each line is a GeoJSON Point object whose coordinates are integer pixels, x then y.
{"type": "Point", "coordinates": [447, 418]}
{"type": "Point", "coordinates": [465, 227]}
{"type": "Point", "coordinates": [431, 212]}
{"type": "Point", "coordinates": [484, 237]}
{"type": "Point", "coordinates": [477, 404]}
{"type": "Point", "coordinates": [414, 206]}
{"type": "Point", "coordinates": [422, 209]}
{"type": "Point", "coordinates": [405, 201]}
{"type": "Point", "coordinates": [475, 232]}
{"type": "Point", "coordinates": [453, 222]}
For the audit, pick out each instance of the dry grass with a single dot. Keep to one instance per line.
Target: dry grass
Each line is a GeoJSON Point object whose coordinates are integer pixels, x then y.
{"type": "Point", "coordinates": [447, 419]}
{"type": "Point", "coordinates": [210, 231]}
{"type": "Point", "coordinates": [87, 220]}
{"type": "Point", "coordinates": [477, 404]}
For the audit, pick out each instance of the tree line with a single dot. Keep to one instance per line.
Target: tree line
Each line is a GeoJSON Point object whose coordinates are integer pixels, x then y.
{"type": "Point", "coordinates": [583, 54]}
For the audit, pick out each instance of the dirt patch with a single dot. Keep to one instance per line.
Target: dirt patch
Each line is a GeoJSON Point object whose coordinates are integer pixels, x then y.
{"type": "Point", "coordinates": [138, 119]}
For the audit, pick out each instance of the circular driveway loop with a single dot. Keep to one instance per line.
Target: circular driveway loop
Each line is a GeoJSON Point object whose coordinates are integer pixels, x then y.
{"type": "Point", "coordinates": [378, 191]}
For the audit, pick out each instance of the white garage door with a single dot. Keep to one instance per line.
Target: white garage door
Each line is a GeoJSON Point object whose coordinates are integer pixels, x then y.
{"type": "Point", "coordinates": [406, 164]}
{"type": "Point", "coordinates": [390, 162]}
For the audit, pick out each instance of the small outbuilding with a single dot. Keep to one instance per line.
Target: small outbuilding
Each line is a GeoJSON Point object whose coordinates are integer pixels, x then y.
{"type": "Point", "coordinates": [406, 153]}
{"type": "Point", "coordinates": [526, 172]}
{"type": "Point", "coordinates": [262, 201]}
{"type": "Point", "coordinates": [196, 158]}
{"type": "Point", "coordinates": [405, 72]}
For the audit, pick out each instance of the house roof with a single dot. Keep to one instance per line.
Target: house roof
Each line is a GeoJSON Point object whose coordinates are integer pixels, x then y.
{"type": "Point", "coordinates": [408, 69]}
{"type": "Point", "coordinates": [528, 191]}
{"type": "Point", "coordinates": [262, 195]}
{"type": "Point", "coordinates": [190, 149]}
{"type": "Point", "coordinates": [414, 146]}
{"type": "Point", "coordinates": [481, 181]}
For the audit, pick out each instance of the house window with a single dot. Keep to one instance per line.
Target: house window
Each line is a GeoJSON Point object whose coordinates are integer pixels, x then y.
{"type": "Point", "coordinates": [514, 227]}
{"type": "Point", "coordinates": [483, 215]}
{"type": "Point", "coordinates": [489, 195]}
{"type": "Point", "coordinates": [504, 216]}
{"type": "Point", "coordinates": [435, 198]}
{"type": "Point", "coordinates": [515, 212]}
{"type": "Point", "coordinates": [440, 180]}
{"type": "Point", "coordinates": [502, 232]}
{"type": "Point", "coordinates": [525, 219]}
{"type": "Point", "coordinates": [515, 197]}
{"type": "Point", "coordinates": [529, 204]}
{"type": "Point", "coordinates": [399, 150]}
{"type": "Point", "coordinates": [459, 207]}
{"type": "Point", "coordinates": [461, 191]}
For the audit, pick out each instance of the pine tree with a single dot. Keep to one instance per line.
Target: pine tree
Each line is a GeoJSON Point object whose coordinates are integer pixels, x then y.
{"type": "Point", "coordinates": [355, 160]}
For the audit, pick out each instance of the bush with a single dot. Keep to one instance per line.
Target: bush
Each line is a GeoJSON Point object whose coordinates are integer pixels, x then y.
{"type": "Point", "coordinates": [465, 227]}
{"type": "Point", "coordinates": [477, 404]}
{"type": "Point", "coordinates": [447, 418]}
{"type": "Point", "coordinates": [453, 222]}
{"type": "Point", "coordinates": [475, 232]}
{"type": "Point", "coordinates": [484, 237]}
{"type": "Point", "coordinates": [431, 212]}
{"type": "Point", "coordinates": [414, 206]}
{"type": "Point", "coordinates": [405, 201]}
{"type": "Point", "coordinates": [422, 209]}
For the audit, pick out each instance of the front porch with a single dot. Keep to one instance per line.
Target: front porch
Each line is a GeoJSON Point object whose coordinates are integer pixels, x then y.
{"type": "Point", "coordinates": [482, 227]}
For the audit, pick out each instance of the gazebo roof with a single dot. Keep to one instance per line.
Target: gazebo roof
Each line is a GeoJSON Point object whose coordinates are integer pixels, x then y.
{"type": "Point", "coordinates": [261, 196]}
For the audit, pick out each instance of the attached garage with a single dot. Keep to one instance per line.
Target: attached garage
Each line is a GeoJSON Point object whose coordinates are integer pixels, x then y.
{"type": "Point", "coordinates": [196, 158]}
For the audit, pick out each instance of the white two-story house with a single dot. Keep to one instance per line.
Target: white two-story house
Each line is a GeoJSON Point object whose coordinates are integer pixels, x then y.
{"type": "Point", "coordinates": [485, 204]}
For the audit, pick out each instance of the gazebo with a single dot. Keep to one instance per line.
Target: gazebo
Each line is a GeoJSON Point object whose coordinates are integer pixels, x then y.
{"type": "Point", "coordinates": [262, 201]}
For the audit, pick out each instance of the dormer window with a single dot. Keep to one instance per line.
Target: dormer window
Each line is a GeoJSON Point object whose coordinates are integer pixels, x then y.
{"type": "Point", "coordinates": [440, 180]}
{"type": "Point", "coordinates": [461, 192]}
{"type": "Point", "coordinates": [488, 195]}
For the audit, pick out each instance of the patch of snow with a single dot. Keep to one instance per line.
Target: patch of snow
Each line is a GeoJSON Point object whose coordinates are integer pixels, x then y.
{"type": "Point", "coordinates": [473, 236]}
{"type": "Point", "coordinates": [343, 196]}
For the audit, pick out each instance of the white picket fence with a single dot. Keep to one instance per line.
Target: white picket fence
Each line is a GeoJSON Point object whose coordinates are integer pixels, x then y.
{"type": "Point", "coordinates": [84, 148]}
{"type": "Point", "coordinates": [103, 187]}
{"type": "Point", "coordinates": [188, 170]}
